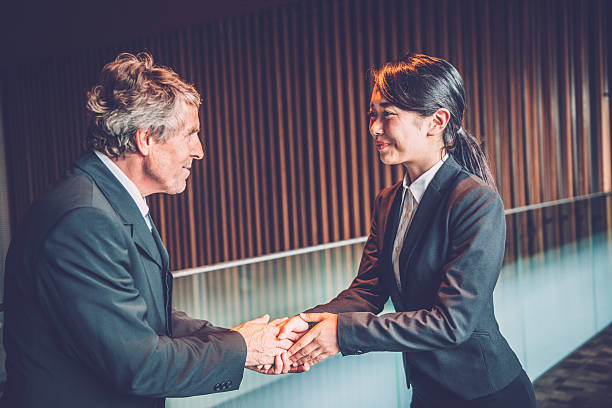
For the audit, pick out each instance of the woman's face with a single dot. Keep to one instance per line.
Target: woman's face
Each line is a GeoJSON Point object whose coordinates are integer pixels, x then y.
{"type": "Point", "coordinates": [400, 136]}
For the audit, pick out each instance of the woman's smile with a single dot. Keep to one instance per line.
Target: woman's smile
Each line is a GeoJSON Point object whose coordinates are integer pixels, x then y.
{"type": "Point", "coordinates": [381, 145]}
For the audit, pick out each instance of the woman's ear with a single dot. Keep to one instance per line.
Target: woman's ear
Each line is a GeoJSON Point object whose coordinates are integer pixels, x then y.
{"type": "Point", "coordinates": [438, 122]}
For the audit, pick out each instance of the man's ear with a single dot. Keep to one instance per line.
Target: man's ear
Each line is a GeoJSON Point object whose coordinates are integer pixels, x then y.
{"type": "Point", "coordinates": [144, 140]}
{"type": "Point", "coordinates": [438, 122]}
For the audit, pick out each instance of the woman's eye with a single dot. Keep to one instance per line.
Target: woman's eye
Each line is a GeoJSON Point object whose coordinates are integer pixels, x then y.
{"type": "Point", "coordinates": [371, 114]}
{"type": "Point", "coordinates": [388, 113]}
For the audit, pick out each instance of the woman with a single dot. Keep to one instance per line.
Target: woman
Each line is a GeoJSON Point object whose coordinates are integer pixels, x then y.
{"type": "Point", "coordinates": [436, 248]}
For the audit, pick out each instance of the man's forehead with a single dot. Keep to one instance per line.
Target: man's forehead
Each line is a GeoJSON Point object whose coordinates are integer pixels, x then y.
{"type": "Point", "coordinates": [192, 119]}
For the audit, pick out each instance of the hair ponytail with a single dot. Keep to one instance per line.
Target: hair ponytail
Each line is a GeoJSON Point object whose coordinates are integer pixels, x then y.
{"type": "Point", "coordinates": [466, 151]}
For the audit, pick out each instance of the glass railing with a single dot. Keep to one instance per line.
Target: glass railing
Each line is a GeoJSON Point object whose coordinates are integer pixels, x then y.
{"type": "Point", "coordinates": [552, 295]}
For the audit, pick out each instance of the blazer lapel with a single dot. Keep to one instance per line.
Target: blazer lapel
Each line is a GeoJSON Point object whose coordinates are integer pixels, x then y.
{"type": "Point", "coordinates": [428, 206]}
{"type": "Point", "coordinates": [392, 220]}
{"type": "Point", "coordinates": [391, 224]}
{"type": "Point", "coordinates": [145, 241]}
{"type": "Point", "coordinates": [122, 203]}
{"type": "Point", "coordinates": [128, 211]}
{"type": "Point", "coordinates": [161, 247]}
{"type": "Point", "coordinates": [166, 279]}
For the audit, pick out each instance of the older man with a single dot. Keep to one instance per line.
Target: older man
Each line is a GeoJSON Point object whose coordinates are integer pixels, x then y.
{"type": "Point", "coordinates": [89, 321]}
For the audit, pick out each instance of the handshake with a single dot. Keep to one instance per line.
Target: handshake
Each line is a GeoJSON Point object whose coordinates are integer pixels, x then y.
{"type": "Point", "coordinates": [289, 345]}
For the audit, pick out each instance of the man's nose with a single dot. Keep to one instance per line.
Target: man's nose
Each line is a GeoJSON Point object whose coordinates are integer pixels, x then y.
{"type": "Point", "coordinates": [198, 152]}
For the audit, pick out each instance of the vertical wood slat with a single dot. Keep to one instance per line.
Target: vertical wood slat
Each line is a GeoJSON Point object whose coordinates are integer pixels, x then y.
{"type": "Point", "coordinates": [602, 118]}
{"type": "Point", "coordinates": [324, 233]}
{"type": "Point", "coordinates": [278, 122]}
{"type": "Point", "coordinates": [255, 129]}
{"type": "Point", "coordinates": [338, 152]}
{"type": "Point", "coordinates": [551, 106]}
{"type": "Point", "coordinates": [231, 134]}
{"type": "Point", "coordinates": [289, 161]}
{"type": "Point", "coordinates": [354, 208]}
{"type": "Point", "coordinates": [582, 101]}
{"type": "Point", "coordinates": [359, 134]}
{"type": "Point", "coordinates": [292, 150]}
{"type": "Point", "coordinates": [327, 147]}
{"type": "Point", "coordinates": [229, 184]}
{"type": "Point", "coordinates": [242, 128]}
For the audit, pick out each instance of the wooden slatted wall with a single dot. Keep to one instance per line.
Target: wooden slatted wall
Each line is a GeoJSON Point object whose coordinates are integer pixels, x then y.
{"type": "Point", "coordinates": [289, 162]}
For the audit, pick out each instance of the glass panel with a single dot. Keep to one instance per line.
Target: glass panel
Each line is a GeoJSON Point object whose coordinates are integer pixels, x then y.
{"type": "Point", "coordinates": [552, 295]}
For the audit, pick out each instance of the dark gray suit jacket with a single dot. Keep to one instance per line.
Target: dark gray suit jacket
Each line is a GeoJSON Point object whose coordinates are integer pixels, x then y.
{"type": "Point", "coordinates": [444, 322]}
{"type": "Point", "coordinates": [89, 321]}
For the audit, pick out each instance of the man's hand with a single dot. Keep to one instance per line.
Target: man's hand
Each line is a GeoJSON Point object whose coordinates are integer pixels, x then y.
{"type": "Point", "coordinates": [261, 340]}
{"type": "Point", "coordinates": [293, 329]}
{"type": "Point", "coordinates": [317, 344]}
{"type": "Point", "coordinates": [281, 365]}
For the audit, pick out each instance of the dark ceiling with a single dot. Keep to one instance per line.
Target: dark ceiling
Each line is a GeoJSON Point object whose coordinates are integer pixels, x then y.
{"type": "Point", "coordinates": [34, 30]}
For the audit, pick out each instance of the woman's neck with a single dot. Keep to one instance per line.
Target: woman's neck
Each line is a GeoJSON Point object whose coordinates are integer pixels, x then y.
{"type": "Point", "coordinates": [416, 169]}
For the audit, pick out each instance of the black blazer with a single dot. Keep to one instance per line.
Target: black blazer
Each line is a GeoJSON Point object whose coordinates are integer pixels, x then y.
{"type": "Point", "coordinates": [444, 322]}
{"type": "Point", "coordinates": [89, 320]}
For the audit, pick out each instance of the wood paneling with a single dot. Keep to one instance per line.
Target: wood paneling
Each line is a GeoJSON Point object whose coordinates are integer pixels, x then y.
{"type": "Point", "coordinates": [289, 162]}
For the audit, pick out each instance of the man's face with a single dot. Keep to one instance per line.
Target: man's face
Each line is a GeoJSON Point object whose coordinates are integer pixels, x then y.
{"type": "Point", "coordinates": [169, 162]}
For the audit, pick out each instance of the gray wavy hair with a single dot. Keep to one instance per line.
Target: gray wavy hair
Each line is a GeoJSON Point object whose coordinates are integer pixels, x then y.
{"type": "Point", "coordinates": [133, 94]}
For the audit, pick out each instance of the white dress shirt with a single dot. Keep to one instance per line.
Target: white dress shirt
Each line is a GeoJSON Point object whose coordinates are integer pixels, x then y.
{"type": "Point", "coordinates": [411, 197]}
{"type": "Point", "coordinates": [127, 184]}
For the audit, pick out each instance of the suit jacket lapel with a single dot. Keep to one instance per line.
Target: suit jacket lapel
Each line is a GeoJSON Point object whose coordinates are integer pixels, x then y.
{"type": "Point", "coordinates": [123, 204]}
{"type": "Point", "coordinates": [161, 247]}
{"type": "Point", "coordinates": [127, 210]}
{"type": "Point", "coordinates": [428, 206]}
{"type": "Point", "coordinates": [166, 279]}
{"type": "Point", "coordinates": [391, 224]}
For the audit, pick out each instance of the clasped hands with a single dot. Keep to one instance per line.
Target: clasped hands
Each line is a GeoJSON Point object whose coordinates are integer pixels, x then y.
{"type": "Point", "coordinates": [288, 345]}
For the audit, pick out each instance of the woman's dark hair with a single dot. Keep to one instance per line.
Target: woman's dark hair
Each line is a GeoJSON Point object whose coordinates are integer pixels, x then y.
{"type": "Point", "coordinates": [424, 84]}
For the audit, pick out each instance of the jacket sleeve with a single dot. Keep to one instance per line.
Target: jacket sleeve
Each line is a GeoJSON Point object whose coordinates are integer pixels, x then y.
{"type": "Point", "coordinates": [476, 250]}
{"type": "Point", "coordinates": [85, 285]}
{"type": "Point", "coordinates": [183, 325]}
{"type": "Point", "coordinates": [368, 291]}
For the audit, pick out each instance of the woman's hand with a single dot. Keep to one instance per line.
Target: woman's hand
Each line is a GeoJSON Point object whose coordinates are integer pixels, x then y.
{"type": "Point", "coordinates": [317, 344]}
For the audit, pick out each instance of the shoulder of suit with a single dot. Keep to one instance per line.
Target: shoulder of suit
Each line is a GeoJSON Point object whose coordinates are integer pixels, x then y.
{"type": "Point", "coordinates": [470, 187]}
{"type": "Point", "coordinates": [75, 190]}
{"type": "Point", "coordinates": [73, 193]}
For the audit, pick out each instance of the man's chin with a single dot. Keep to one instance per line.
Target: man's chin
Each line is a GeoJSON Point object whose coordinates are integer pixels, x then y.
{"type": "Point", "coordinates": [177, 189]}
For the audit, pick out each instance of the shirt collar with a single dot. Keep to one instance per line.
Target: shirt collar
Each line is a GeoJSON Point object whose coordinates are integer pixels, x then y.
{"type": "Point", "coordinates": [125, 182]}
{"type": "Point", "coordinates": [418, 186]}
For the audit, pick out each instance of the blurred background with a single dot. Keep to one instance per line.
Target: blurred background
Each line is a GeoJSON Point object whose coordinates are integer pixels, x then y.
{"type": "Point", "coordinates": [274, 218]}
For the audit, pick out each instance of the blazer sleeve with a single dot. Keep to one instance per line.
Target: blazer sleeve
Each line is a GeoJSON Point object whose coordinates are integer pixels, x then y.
{"type": "Point", "coordinates": [476, 249]}
{"type": "Point", "coordinates": [84, 282]}
{"type": "Point", "coordinates": [184, 325]}
{"type": "Point", "coordinates": [368, 291]}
